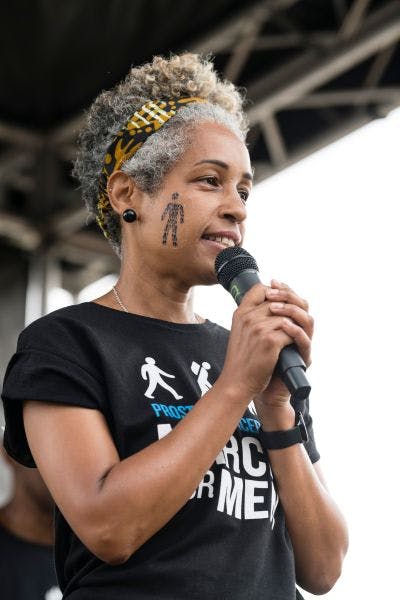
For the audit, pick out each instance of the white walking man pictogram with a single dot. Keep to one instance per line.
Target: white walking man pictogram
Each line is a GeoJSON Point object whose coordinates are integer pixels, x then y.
{"type": "Point", "coordinates": [153, 374]}
{"type": "Point", "coordinates": [252, 408]}
{"type": "Point", "coordinates": [202, 375]}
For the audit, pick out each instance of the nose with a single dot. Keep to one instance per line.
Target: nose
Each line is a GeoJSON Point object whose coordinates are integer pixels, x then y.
{"type": "Point", "coordinates": [233, 207]}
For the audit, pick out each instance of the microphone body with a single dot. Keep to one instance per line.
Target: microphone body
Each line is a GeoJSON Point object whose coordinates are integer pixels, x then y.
{"type": "Point", "coordinates": [237, 272]}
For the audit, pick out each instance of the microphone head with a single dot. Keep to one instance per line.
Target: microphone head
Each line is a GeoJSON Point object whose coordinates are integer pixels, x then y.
{"type": "Point", "coordinates": [232, 261]}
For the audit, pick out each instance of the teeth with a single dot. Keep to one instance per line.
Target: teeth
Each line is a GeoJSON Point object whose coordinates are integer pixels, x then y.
{"type": "Point", "coordinates": [227, 241]}
{"type": "Point", "coordinates": [221, 240]}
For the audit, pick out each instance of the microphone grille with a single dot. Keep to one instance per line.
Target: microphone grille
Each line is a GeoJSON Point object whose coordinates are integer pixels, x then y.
{"type": "Point", "coordinates": [232, 261]}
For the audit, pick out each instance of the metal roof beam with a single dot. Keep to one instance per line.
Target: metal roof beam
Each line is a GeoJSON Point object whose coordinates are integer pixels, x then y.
{"type": "Point", "coordinates": [294, 39]}
{"type": "Point", "coordinates": [296, 79]}
{"type": "Point", "coordinates": [65, 223]}
{"type": "Point", "coordinates": [353, 19]}
{"type": "Point", "coordinates": [243, 48]}
{"type": "Point", "coordinates": [378, 66]}
{"type": "Point", "coordinates": [224, 37]}
{"type": "Point", "coordinates": [34, 140]}
{"type": "Point", "coordinates": [84, 245]}
{"type": "Point", "coordinates": [19, 231]}
{"type": "Point", "coordinates": [15, 165]}
{"type": "Point", "coordinates": [20, 136]}
{"type": "Point", "coordinates": [274, 140]}
{"type": "Point", "coordinates": [264, 169]}
{"type": "Point", "coordinates": [390, 95]}
{"type": "Point", "coordinates": [67, 132]}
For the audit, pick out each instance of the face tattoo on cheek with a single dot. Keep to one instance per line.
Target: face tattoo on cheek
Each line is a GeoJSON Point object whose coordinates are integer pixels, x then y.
{"type": "Point", "coordinates": [174, 211]}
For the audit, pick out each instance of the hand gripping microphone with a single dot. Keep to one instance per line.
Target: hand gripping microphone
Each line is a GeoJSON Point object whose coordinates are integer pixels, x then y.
{"type": "Point", "coordinates": [237, 272]}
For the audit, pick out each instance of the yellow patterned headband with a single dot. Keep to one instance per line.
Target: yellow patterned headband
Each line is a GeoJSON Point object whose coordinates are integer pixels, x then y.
{"type": "Point", "coordinates": [145, 121]}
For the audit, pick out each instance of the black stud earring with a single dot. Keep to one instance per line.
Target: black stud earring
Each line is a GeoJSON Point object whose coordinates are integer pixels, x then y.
{"type": "Point", "coordinates": [129, 215]}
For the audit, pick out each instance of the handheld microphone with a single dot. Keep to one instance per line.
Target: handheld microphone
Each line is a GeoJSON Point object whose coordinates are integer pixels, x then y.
{"type": "Point", "coordinates": [237, 272]}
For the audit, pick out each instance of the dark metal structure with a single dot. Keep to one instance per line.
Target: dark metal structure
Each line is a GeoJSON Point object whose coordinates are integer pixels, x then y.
{"type": "Point", "coordinates": [314, 70]}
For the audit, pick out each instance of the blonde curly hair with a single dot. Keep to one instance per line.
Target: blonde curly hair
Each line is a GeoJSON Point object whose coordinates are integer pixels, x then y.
{"type": "Point", "coordinates": [181, 75]}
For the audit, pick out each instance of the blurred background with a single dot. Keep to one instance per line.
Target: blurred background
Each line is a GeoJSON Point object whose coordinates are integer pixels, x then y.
{"type": "Point", "coordinates": [323, 85]}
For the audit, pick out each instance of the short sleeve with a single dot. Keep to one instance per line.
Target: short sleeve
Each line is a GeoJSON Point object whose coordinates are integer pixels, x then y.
{"type": "Point", "coordinates": [48, 376]}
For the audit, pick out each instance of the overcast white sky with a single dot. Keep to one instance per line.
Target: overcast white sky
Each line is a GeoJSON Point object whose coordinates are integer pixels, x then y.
{"type": "Point", "coordinates": [328, 227]}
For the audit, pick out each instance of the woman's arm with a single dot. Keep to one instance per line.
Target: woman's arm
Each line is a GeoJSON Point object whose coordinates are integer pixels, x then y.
{"type": "Point", "coordinates": [115, 505]}
{"type": "Point", "coordinates": [316, 527]}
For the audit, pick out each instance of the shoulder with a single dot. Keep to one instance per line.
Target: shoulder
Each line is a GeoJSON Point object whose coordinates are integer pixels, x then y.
{"type": "Point", "coordinates": [70, 321]}
{"type": "Point", "coordinates": [74, 312]}
{"type": "Point", "coordinates": [73, 333]}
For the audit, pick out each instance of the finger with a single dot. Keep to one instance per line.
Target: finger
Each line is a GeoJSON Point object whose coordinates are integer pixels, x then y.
{"type": "Point", "coordinates": [296, 314]}
{"type": "Point", "coordinates": [273, 332]}
{"type": "Point", "coordinates": [253, 315]}
{"type": "Point", "coordinates": [285, 294]}
{"type": "Point", "coordinates": [254, 297]}
{"type": "Point", "coordinates": [279, 284]}
{"type": "Point", "coordinates": [300, 338]}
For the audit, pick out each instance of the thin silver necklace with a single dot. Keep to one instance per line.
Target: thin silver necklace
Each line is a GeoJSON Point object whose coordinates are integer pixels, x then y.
{"type": "Point", "coordinates": [122, 305]}
{"type": "Point", "coordinates": [119, 299]}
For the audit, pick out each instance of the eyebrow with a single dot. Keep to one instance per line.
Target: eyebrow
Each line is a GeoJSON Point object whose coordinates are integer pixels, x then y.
{"type": "Point", "coordinates": [222, 164]}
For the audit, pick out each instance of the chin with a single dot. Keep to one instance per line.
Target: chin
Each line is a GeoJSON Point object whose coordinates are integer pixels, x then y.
{"type": "Point", "coordinates": [208, 278]}
{"type": "Point", "coordinates": [199, 269]}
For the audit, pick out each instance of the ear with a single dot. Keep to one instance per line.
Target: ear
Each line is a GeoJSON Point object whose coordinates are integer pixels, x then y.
{"type": "Point", "coordinates": [123, 192]}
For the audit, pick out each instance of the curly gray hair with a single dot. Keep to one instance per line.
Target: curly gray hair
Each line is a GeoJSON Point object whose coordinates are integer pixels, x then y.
{"type": "Point", "coordinates": [179, 76]}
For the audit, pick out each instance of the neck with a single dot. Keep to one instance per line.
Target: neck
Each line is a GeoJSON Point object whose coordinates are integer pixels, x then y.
{"type": "Point", "coordinates": [159, 297]}
{"type": "Point", "coordinates": [24, 518]}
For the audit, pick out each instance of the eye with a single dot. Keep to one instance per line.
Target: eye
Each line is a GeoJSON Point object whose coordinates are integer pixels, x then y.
{"type": "Point", "coordinates": [244, 194]}
{"type": "Point", "coordinates": [210, 179]}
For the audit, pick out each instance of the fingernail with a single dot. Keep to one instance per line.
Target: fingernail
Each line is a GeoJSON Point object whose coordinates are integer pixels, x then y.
{"type": "Point", "coordinates": [275, 281]}
{"type": "Point", "coordinates": [273, 292]}
{"type": "Point", "coordinates": [276, 305]}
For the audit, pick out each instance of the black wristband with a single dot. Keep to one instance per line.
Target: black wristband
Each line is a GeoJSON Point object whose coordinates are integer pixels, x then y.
{"type": "Point", "coordinates": [276, 440]}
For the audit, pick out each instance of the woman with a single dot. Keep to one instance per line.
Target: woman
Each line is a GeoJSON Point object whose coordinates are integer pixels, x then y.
{"type": "Point", "coordinates": [135, 409]}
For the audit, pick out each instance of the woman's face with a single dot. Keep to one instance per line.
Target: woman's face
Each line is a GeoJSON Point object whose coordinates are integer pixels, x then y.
{"type": "Point", "coordinates": [199, 211]}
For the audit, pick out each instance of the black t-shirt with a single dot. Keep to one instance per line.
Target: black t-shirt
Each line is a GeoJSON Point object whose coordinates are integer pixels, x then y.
{"type": "Point", "coordinates": [26, 570]}
{"type": "Point", "coordinates": [229, 540]}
